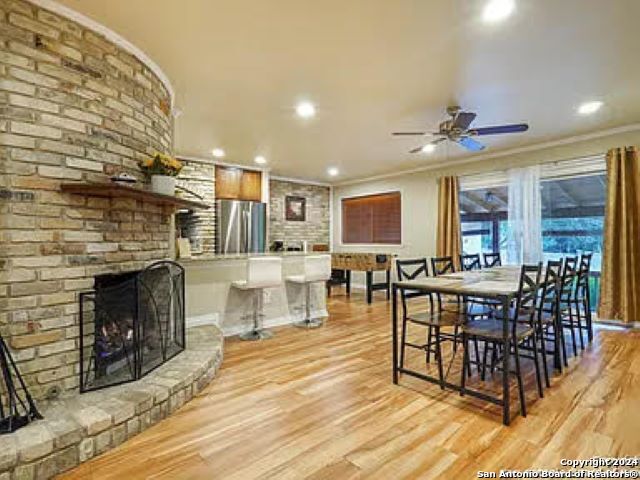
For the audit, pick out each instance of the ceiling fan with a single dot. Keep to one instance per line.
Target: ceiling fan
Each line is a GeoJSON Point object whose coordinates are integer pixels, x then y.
{"type": "Point", "coordinates": [457, 130]}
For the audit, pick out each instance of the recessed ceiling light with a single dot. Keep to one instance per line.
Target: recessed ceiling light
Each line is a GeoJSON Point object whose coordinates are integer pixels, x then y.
{"type": "Point", "coordinates": [428, 148]}
{"type": "Point", "coordinates": [217, 152]}
{"type": "Point", "coordinates": [496, 10]}
{"type": "Point", "coordinates": [260, 160]}
{"type": "Point", "coordinates": [333, 171]}
{"type": "Point", "coordinates": [306, 110]}
{"type": "Point", "coordinates": [587, 108]}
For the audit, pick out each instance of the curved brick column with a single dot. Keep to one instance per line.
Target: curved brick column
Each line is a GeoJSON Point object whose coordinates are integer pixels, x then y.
{"type": "Point", "coordinates": [75, 106]}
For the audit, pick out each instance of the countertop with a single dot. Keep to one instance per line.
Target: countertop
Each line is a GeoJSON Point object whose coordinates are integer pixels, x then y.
{"type": "Point", "coordinates": [244, 256]}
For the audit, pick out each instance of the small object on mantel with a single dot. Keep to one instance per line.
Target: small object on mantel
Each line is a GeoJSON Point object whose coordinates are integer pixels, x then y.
{"type": "Point", "coordinates": [115, 190]}
{"type": "Point", "coordinates": [124, 178]}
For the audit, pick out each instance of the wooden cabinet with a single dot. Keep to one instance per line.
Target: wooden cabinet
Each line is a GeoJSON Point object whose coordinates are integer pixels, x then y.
{"type": "Point", "coordinates": [238, 184]}
{"type": "Point", "coordinates": [251, 186]}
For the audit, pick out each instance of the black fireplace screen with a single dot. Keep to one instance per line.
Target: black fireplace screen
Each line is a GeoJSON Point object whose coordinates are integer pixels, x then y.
{"type": "Point", "coordinates": [130, 324]}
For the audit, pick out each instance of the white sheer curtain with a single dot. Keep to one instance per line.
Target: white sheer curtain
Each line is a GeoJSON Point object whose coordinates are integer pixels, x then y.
{"type": "Point", "coordinates": [524, 221]}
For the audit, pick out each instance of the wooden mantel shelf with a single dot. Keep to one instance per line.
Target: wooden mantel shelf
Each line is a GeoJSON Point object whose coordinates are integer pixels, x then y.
{"type": "Point", "coordinates": [115, 190]}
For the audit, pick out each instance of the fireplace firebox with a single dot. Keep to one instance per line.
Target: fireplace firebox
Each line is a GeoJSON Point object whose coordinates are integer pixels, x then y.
{"type": "Point", "coordinates": [130, 324]}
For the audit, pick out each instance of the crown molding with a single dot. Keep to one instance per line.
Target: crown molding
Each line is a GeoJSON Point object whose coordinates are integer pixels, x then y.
{"type": "Point", "coordinates": [301, 181]}
{"type": "Point", "coordinates": [503, 153]}
{"type": "Point", "coordinates": [208, 161]}
{"type": "Point", "coordinates": [110, 35]}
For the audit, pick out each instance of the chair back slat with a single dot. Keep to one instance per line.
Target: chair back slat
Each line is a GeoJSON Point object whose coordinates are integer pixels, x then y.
{"type": "Point", "coordinates": [528, 291]}
{"type": "Point", "coordinates": [442, 266]}
{"type": "Point", "coordinates": [411, 269]}
{"type": "Point", "coordinates": [551, 287]}
{"type": "Point", "coordinates": [584, 270]}
{"type": "Point", "coordinates": [492, 260]}
{"type": "Point", "coordinates": [568, 279]}
{"type": "Point", "coordinates": [470, 262]}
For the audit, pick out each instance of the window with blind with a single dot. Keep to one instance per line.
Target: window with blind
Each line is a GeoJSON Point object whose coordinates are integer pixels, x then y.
{"type": "Point", "coordinates": [372, 219]}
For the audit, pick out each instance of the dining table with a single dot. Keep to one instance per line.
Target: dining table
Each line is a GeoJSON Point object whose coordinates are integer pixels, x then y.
{"type": "Point", "coordinates": [498, 284]}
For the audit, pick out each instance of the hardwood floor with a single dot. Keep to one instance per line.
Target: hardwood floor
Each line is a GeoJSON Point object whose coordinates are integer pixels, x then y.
{"type": "Point", "coordinates": [320, 404]}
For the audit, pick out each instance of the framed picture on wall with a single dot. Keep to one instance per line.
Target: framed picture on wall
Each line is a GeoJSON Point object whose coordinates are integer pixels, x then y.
{"type": "Point", "coordinates": [295, 208]}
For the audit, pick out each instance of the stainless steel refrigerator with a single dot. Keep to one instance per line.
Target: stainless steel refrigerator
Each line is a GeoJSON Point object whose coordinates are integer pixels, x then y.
{"type": "Point", "coordinates": [241, 227]}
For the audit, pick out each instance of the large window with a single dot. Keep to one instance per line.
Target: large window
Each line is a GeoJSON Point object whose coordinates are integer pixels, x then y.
{"type": "Point", "coordinates": [484, 220]}
{"type": "Point", "coordinates": [572, 218]}
{"type": "Point", "coordinates": [372, 219]}
{"type": "Point", "coordinates": [573, 221]}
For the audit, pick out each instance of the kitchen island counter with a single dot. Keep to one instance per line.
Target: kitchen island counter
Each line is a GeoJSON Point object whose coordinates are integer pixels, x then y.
{"type": "Point", "coordinates": [210, 298]}
{"type": "Point", "coordinates": [242, 256]}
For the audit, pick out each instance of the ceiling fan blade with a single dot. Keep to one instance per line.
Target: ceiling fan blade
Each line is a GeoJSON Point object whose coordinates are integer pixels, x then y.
{"type": "Point", "coordinates": [497, 129]}
{"type": "Point", "coordinates": [463, 120]}
{"type": "Point", "coordinates": [471, 144]}
{"type": "Point", "coordinates": [409, 133]}
{"type": "Point", "coordinates": [416, 150]}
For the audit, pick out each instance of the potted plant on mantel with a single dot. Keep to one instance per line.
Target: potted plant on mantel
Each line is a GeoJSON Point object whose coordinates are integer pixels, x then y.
{"type": "Point", "coordinates": [163, 170]}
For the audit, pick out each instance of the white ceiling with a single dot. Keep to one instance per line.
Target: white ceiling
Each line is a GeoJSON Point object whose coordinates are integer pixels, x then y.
{"type": "Point", "coordinates": [238, 68]}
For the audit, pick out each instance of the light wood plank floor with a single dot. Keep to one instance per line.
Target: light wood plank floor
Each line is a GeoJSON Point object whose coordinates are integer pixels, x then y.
{"type": "Point", "coordinates": [320, 404]}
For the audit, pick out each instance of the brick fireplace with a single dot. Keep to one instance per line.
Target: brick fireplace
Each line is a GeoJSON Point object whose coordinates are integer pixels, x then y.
{"type": "Point", "coordinates": [76, 107]}
{"type": "Point", "coordinates": [78, 104]}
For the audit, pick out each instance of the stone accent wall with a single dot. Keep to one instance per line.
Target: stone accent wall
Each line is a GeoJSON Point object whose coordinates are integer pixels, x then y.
{"type": "Point", "coordinates": [73, 107]}
{"type": "Point", "coordinates": [198, 225]}
{"type": "Point", "coordinates": [316, 227]}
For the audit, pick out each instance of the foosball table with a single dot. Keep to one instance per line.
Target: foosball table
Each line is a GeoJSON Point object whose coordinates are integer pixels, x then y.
{"type": "Point", "coordinates": [342, 264]}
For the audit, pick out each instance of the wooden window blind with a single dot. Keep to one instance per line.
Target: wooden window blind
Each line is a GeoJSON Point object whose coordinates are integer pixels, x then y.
{"type": "Point", "coordinates": [372, 219]}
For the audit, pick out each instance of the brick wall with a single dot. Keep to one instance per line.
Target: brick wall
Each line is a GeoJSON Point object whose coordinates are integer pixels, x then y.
{"type": "Point", "coordinates": [316, 227]}
{"type": "Point", "coordinates": [198, 225]}
{"type": "Point", "coordinates": [73, 107]}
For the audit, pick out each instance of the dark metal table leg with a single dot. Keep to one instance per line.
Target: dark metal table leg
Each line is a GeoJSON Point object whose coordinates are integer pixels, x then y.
{"type": "Point", "coordinates": [394, 334]}
{"type": "Point", "coordinates": [369, 286]}
{"type": "Point", "coordinates": [388, 284]}
{"type": "Point", "coordinates": [347, 274]}
{"type": "Point", "coordinates": [506, 414]}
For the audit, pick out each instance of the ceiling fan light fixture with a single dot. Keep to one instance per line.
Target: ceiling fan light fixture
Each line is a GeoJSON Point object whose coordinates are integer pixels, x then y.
{"type": "Point", "coordinates": [333, 171]}
{"type": "Point", "coordinates": [306, 110]}
{"type": "Point", "coordinates": [587, 108]}
{"type": "Point", "coordinates": [497, 10]}
{"type": "Point", "coordinates": [428, 148]}
{"type": "Point", "coordinates": [260, 160]}
{"type": "Point", "coordinates": [218, 153]}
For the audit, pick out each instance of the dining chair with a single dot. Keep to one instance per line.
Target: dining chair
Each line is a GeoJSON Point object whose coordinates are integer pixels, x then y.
{"type": "Point", "coordinates": [492, 260]}
{"type": "Point", "coordinates": [470, 308]}
{"type": "Point", "coordinates": [522, 330]}
{"type": "Point", "coordinates": [410, 270]}
{"type": "Point", "coordinates": [582, 297]}
{"type": "Point", "coordinates": [566, 295]}
{"type": "Point", "coordinates": [470, 262]}
{"type": "Point", "coordinates": [432, 319]}
{"type": "Point", "coordinates": [549, 322]}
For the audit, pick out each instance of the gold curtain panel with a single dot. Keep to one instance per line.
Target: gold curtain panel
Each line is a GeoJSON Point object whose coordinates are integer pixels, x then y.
{"type": "Point", "coordinates": [620, 285]}
{"type": "Point", "coordinates": [448, 238]}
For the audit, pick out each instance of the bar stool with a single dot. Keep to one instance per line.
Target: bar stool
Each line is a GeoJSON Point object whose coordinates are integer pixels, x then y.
{"type": "Point", "coordinates": [317, 269]}
{"type": "Point", "coordinates": [262, 272]}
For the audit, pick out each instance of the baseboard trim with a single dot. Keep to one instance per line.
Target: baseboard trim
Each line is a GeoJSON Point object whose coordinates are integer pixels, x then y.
{"type": "Point", "coordinates": [206, 319]}
{"type": "Point", "coordinates": [230, 331]}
